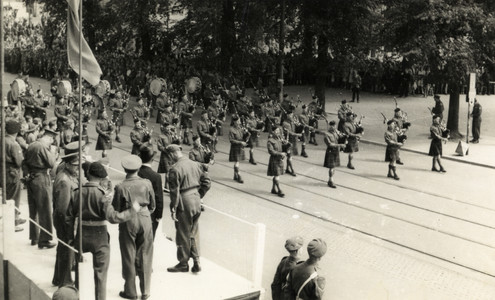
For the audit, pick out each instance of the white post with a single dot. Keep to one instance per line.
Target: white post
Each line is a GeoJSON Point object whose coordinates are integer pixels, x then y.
{"type": "Point", "coordinates": [8, 230]}
{"type": "Point", "coordinates": [86, 277]}
{"type": "Point", "coordinates": [259, 244]}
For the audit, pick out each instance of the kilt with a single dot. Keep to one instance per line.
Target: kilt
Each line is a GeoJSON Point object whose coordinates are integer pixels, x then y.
{"type": "Point", "coordinates": [275, 166]}
{"type": "Point", "coordinates": [186, 123]}
{"type": "Point", "coordinates": [340, 126]}
{"type": "Point", "coordinates": [253, 140]}
{"type": "Point", "coordinates": [352, 145]}
{"type": "Point", "coordinates": [165, 163]}
{"type": "Point", "coordinates": [391, 154]}
{"type": "Point", "coordinates": [103, 144]}
{"type": "Point", "coordinates": [435, 148]}
{"type": "Point", "coordinates": [120, 121]}
{"type": "Point", "coordinates": [237, 153]}
{"type": "Point", "coordinates": [332, 158]}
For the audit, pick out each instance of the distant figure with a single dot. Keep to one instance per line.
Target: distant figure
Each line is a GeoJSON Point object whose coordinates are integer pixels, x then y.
{"type": "Point", "coordinates": [293, 245]}
{"type": "Point", "coordinates": [438, 109]}
{"type": "Point", "coordinates": [476, 114]}
{"type": "Point", "coordinates": [356, 87]}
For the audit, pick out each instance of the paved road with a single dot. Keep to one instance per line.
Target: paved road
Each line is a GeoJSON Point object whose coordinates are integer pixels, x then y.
{"type": "Point", "coordinates": [426, 236]}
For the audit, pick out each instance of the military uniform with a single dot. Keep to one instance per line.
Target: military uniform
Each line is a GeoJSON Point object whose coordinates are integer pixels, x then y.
{"type": "Point", "coordinates": [214, 114]}
{"type": "Point", "coordinates": [117, 107]}
{"type": "Point", "coordinates": [304, 120]}
{"type": "Point", "coordinates": [188, 183]}
{"type": "Point", "coordinates": [137, 139]}
{"type": "Point", "coordinates": [252, 125]}
{"type": "Point", "coordinates": [352, 141]}
{"type": "Point", "coordinates": [185, 114]}
{"type": "Point", "coordinates": [283, 268]}
{"type": "Point", "coordinates": [290, 126]}
{"type": "Point", "coordinates": [39, 160]}
{"type": "Point", "coordinates": [203, 127]}
{"type": "Point", "coordinates": [136, 235]}
{"type": "Point", "coordinates": [13, 163]}
{"type": "Point", "coordinates": [200, 155]}
{"type": "Point", "coordinates": [29, 106]}
{"type": "Point", "coordinates": [276, 162]}
{"type": "Point", "coordinates": [236, 137]}
{"type": "Point", "coordinates": [61, 111]}
{"type": "Point", "coordinates": [166, 161]}
{"type": "Point", "coordinates": [104, 130]}
{"type": "Point", "coordinates": [332, 154]}
{"type": "Point", "coordinates": [436, 141]}
{"type": "Point", "coordinates": [166, 117]}
{"type": "Point", "coordinates": [160, 106]}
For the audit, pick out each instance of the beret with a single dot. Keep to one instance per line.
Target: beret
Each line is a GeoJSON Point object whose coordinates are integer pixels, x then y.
{"type": "Point", "coordinates": [344, 101]}
{"type": "Point", "coordinates": [12, 126]}
{"type": "Point", "coordinates": [50, 133]}
{"type": "Point", "coordinates": [314, 97]}
{"type": "Point", "coordinates": [317, 248]}
{"type": "Point", "coordinates": [204, 112]}
{"type": "Point", "coordinates": [397, 109]}
{"type": "Point", "coordinates": [235, 118]}
{"type": "Point", "coordinates": [66, 293]}
{"type": "Point", "coordinates": [167, 105]}
{"type": "Point", "coordinates": [349, 113]}
{"type": "Point", "coordinates": [390, 122]}
{"type": "Point", "coordinates": [294, 243]}
{"type": "Point", "coordinates": [131, 162]}
{"type": "Point", "coordinates": [304, 106]}
{"type": "Point", "coordinates": [96, 169]}
{"type": "Point", "coordinates": [173, 148]}
{"type": "Point", "coordinates": [286, 95]}
{"type": "Point", "coordinates": [332, 123]}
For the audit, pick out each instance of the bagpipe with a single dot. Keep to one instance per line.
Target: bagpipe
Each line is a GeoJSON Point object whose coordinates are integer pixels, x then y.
{"type": "Point", "coordinates": [246, 135]}
{"type": "Point", "coordinates": [208, 154]}
{"type": "Point", "coordinates": [359, 124]}
{"type": "Point", "coordinates": [401, 136]}
{"type": "Point", "coordinates": [403, 115]}
{"type": "Point", "coordinates": [443, 128]}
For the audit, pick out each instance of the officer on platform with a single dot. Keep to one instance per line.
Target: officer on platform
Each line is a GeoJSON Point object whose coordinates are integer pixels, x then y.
{"type": "Point", "coordinates": [136, 235]}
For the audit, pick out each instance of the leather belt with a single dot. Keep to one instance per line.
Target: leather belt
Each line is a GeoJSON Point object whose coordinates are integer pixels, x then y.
{"type": "Point", "coordinates": [189, 191]}
{"type": "Point", "coordinates": [93, 223]}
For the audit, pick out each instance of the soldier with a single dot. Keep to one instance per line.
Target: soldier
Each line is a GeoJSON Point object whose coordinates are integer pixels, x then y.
{"type": "Point", "coordinates": [40, 157]}
{"type": "Point", "coordinates": [476, 114]}
{"type": "Point", "coordinates": [292, 245]}
{"type": "Point", "coordinates": [216, 114]}
{"type": "Point", "coordinates": [186, 111]}
{"type": "Point", "coordinates": [161, 101]}
{"type": "Point", "coordinates": [201, 153]}
{"type": "Point", "coordinates": [286, 105]}
{"type": "Point", "coordinates": [96, 210]}
{"type": "Point", "coordinates": [118, 107]}
{"type": "Point", "coordinates": [39, 105]}
{"type": "Point", "coordinates": [304, 120]}
{"type": "Point", "coordinates": [13, 162]}
{"type": "Point", "coordinates": [303, 281]}
{"type": "Point", "coordinates": [332, 155]}
{"type": "Point", "coordinates": [136, 235]}
{"type": "Point", "coordinates": [252, 127]}
{"type": "Point", "coordinates": [167, 137]}
{"type": "Point", "coordinates": [438, 109]}
{"type": "Point", "coordinates": [141, 112]}
{"type": "Point", "coordinates": [66, 181]}
{"type": "Point", "coordinates": [342, 114]}
{"type": "Point", "coordinates": [188, 183]}
{"type": "Point", "coordinates": [61, 111]}
{"type": "Point", "coordinates": [269, 115]}
{"type": "Point", "coordinates": [104, 128]}
{"type": "Point", "coordinates": [206, 130]}
{"type": "Point", "coordinates": [137, 136]}
{"type": "Point", "coordinates": [67, 133]}
{"type": "Point", "coordinates": [29, 104]}
{"type": "Point", "coordinates": [147, 154]}
{"type": "Point", "coordinates": [350, 130]}
{"type": "Point", "coordinates": [314, 109]}
{"type": "Point", "coordinates": [400, 128]}
{"type": "Point", "coordinates": [290, 129]}
{"type": "Point", "coordinates": [237, 143]}
{"type": "Point", "coordinates": [276, 162]}
{"type": "Point", "coordinates": [392, 148]}
{"type": "Point", "coordinates": [167, 116]}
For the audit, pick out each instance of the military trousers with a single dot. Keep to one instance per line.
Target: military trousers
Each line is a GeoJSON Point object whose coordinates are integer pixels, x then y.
{"type": "Point", "coordinates": [64, 258]}
{"type": "Point", "coordinates": [187, 229]}
{"type": "Point", "coordinates": [40, 206]}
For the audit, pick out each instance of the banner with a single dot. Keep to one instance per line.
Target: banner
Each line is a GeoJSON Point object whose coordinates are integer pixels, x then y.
{"type": "Point", "coordinates": [90, 69]}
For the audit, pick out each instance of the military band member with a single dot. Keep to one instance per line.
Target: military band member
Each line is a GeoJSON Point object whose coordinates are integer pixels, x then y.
{"type": "Point", "coordinates": [290, 129]}
{"type": "Point", "coordinates": [350, 130]}
{"type": "Point", "coordinates": [40, 157]}
{"type": "Point", "coordinates": [400, 128]}
{"type": "Point", "coordinates": [286, 105]}
{"type": "Point", "coordinates": [237, 143]}
{"type": "Point", "coordinates": [186, 111]}
{"type": "Point", "coordinates": [167, 116]}
{"type": "Point", "coordinates": [135, 235]}
{"type": "Point", "coordinates": [269, 113]}
{"type": "Point", "coordinates": [166, 138]}
{"type": "Point", "coordinates": [436, 144]}
{"type": "Point", "coordinates": [189, 182]}
{"type": "Point", "coordinates": [137, 136]}
{"type": "Point", "coordinates": [332, 154]}
{"type": "Point", "coordinates": [304, 119]}
{"type": "Point", "coordinates": [206, 130]}
{"type": "Point", "coordinates": [104, 128]}
{"type": "Point", "coordinates": [292, 245]}
{"type": "Point", "coordinates": [96, 210]}
{"type": "Point", "coordinates": [342, 114]}
{"type": "Point", "coordinates": [141, 111]}
{"type": "Point", "coordinates": [117, 106]}
{"type": "Point", "coordinates": [392, 148]}
{"type": "Point", "coordinates": [40, 105]}
{"type": "Point", "coordinates": [276, 162]}
{"type": "Point", "coordinates": [161, 101]}
{"type": "Point", "coordinates": [252, 127]}
{"type": "Point", "coordinates": [303, 281]}
{"type": "Point", "coordinates": [201, 153]}
{"type": "Point", "coordinates": [13, 162]}
{"type": "Point", "coordinates": [314, 110]}
{"type": "Point", "coordinates": [66, 181]}
{"type": "Point", "coordinates": [216, 113]}
{"type": "Point", "coordinates": [61, 111]}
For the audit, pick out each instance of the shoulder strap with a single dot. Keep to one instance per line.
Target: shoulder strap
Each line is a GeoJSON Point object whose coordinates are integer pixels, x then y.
{"type": "Point", "coordinates": [313, 275]}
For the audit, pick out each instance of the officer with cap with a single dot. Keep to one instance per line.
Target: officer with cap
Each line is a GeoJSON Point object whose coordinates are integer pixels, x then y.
{"type": "Point", "coordinates": [13, 163]}
{"type": "Point", "coordinates": [188, 182]}
{"type": "Point", "coordinates": [293, 246]}
{"type": "Point", "coordinates": [303, 281]}
{"type": "Point", "coordinates": [40, 157]}
{"type": "Point", "coordinates": [96, 210]}
{"type": "Point", "coordinates": [63, 188]}
{"type": "Point", "coordinates": [136, 235]}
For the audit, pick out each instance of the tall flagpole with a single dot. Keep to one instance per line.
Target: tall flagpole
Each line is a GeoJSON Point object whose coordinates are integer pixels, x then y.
{"type": "Point", "coordinates": [80, 131]}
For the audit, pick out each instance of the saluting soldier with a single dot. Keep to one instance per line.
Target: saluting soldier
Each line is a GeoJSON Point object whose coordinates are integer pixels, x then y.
{"type": "Point", "coordinates": [189, 182]}
{"type": "Point", "coordinates": [135, 235]}
{"type": "Point", "coordinates": [13, 162]}
{"type": "Point", "coordinates": [237, 144]}
{"type": "Point", "coordinates": [292, 245]}
{"type": "Point", "coordinates": [332, 154]}
{"type": "Point", "coordinates": [303, 281]}
{"type": "Point", "coordinates": [61, 111]}
{"type": "Point", "coordinates": [118, 108]}
{"type": "Point", "coordinates": [40, 157]}
{"type": "Point", "coordinates": [104, 129]}
{"type": "Point", "coordinates": [186, 110]}
{"type": "Point", "coordinates": [350, 130]}
{"type": "Point", "coordinates": [276, 162]}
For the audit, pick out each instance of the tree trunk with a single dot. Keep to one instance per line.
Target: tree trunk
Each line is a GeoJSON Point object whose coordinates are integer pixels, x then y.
{"type": "Point", "coordinates": [321, 71]}
{"type": "Point", "coordinates": [453, 114]}
{"type": "Point", "coordinates": [227, 36]}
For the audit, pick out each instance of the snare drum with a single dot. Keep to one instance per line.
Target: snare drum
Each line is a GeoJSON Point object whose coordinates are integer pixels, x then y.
{"type": "Point", "coordinates": [18, 89]}
{"type": "Point", "coordinates": [64, 87]}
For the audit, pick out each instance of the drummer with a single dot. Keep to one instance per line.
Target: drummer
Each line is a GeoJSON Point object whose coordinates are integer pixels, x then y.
{"type": "Point", "coordinates": [116, 104]}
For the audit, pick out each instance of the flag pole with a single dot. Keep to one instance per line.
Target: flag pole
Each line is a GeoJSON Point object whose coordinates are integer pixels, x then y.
{"type": "Point", "coordinates": [80, 133]}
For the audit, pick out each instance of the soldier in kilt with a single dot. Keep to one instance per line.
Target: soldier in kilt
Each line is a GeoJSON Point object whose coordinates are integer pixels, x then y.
{"type": "Point", "coordinates": [252, 126]}
{"type": "Point", "coordinates": [186, 111]}
{"type": "Point", "coordinates": [332, 155]}
{"type": "Point", "coordinates": [352, 138]}
{"type": "Point", "coordinates": [276, 162]}
{"type": "Point", "coordinates": [104, 128]}
{"type": "Point", "coordinates": [392, 148]}
{"type": "Point", "coordinates": [118, 108]}
{"type": "Point", "coordinates": [237, 144]}
{"type": "Point", "coordinates": [166, 138]}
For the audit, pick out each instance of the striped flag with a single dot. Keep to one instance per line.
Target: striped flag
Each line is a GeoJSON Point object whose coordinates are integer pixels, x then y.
{"type": "Point", "coordinates": [90, 69]}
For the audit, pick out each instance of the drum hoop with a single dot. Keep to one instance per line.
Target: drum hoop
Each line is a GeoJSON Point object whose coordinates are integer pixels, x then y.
{"type": "Point", "coordinates": [154, 87]}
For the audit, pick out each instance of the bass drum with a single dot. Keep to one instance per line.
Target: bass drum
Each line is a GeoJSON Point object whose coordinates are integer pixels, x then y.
{"type": "Point", "coordinates": [18, 89]}
{"type": "Point", "coordinates": [64, 87]}
{"type": "Point", "coordinates": [157, 85]}
{"type": "Point", "coordinates": [193, 85]}
{"type": "Point", "coordinates": [102, 88]}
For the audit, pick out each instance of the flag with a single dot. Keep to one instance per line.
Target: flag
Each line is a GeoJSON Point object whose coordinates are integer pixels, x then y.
{"type": "Point", "coordinates": [90, 69]}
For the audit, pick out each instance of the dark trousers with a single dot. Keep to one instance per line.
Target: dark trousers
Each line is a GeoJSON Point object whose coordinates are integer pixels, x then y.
{"type": "Point", "coordinates": [355, 93]}
{"type": "Point", "coordinates": [154, 225]}
{"type": "Point", "coordinates": [187, 229]}
{"type": "Point", "coordinates": [39, 191]}
{"type": "Point", "coordinates": [136, 249]}
{"type": "Point", "coordinates": [65, 257]}
{"type": "Point", "coordinates": [13, 184]}
{"type": "Point", "coordinates": [476, 129]}
{"type": "Point", "coordinates": [95, 239]}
